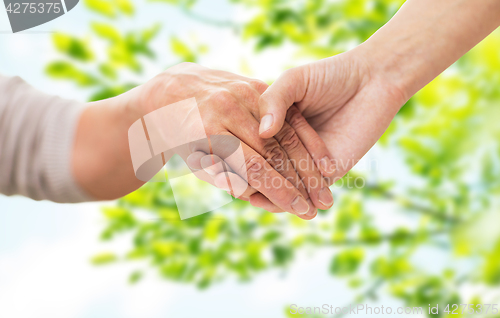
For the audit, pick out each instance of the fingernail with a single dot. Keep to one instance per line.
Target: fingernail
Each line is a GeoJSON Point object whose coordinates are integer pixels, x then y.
{"type": "Point", "coordinates": [300, 205]}
{"type": "Point", "coordinates": [325, 197]}
{"type": "Point", "coordinates": [312, 211]}
{"type": "Point", "coordinates": [266, 123]}
{"type": "Point", "coordinates": [326, 165]}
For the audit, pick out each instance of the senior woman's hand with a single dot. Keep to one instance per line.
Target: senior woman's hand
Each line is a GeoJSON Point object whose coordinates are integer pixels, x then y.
{"type": "Point", "coordinates": [228, 105]}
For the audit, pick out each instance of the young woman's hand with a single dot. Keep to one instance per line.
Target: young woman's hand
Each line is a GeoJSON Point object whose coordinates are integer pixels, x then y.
{"type": "Point", "coordinates": [342, 100]}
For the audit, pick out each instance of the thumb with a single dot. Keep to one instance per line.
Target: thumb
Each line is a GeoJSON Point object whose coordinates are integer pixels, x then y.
{"type": "Point", "coordinates": [288, 89]}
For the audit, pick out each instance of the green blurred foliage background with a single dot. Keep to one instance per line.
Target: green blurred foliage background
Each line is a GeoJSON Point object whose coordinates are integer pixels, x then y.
{"type": "Point", "coordinates": [447, 136]}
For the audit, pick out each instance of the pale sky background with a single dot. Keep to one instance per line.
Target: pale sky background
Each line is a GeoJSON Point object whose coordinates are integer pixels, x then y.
{"type": "Point", "coordinates": [45, 247]}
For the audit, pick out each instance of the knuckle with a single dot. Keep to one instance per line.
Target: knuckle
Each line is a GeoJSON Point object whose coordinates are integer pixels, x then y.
{"type": "Point", "coordinates": [289, 140]}
{"type": "Point", "coordinates": [295, 119]}
{"type": "Point", "coordinates": [241, 87]}
{"type": "Point", "coordinates": [187, 64]}
{"type": "Point", "coordinates": [245, 90]}
{"type": "Point", "coordinates": [274, 154]}
{"type": "Point", "coordinates": [223, 98]}
{"type": "Point", "coordinates": [259, 85]}
{"type": "Point", "coordinates": [291, 73]}
{"type": "Point", "coordinates": [181, 67]}
{"type": "Point", "coordinates": [296, 72]}
{"type": "Point", "coordinates": [255, 167]}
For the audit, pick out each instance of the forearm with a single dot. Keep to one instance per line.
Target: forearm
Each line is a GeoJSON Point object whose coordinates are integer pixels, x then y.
{"type": "Point", "coordinates": [425, 37]}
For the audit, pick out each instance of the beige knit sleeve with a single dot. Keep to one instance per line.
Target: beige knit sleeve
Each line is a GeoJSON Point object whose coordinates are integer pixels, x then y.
{"type": "Point", "coordinates": [36, 139]}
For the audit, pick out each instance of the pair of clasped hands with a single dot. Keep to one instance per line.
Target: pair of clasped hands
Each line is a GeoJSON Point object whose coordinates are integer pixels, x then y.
{"type": "Point", "coordinates": [289, 133]}
{"type": "Point", "coordinates": [298, 136]}
{"type": "Point", "coordinates": [286, 166]}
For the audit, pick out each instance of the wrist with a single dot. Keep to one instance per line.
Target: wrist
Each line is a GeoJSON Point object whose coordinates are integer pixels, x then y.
{"type": "Point", "coordinates": [159, 91]}
{"type": "Point", "coordinates": [384, 70]}
{"type": "Point", "coordinates": [101, 160]}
